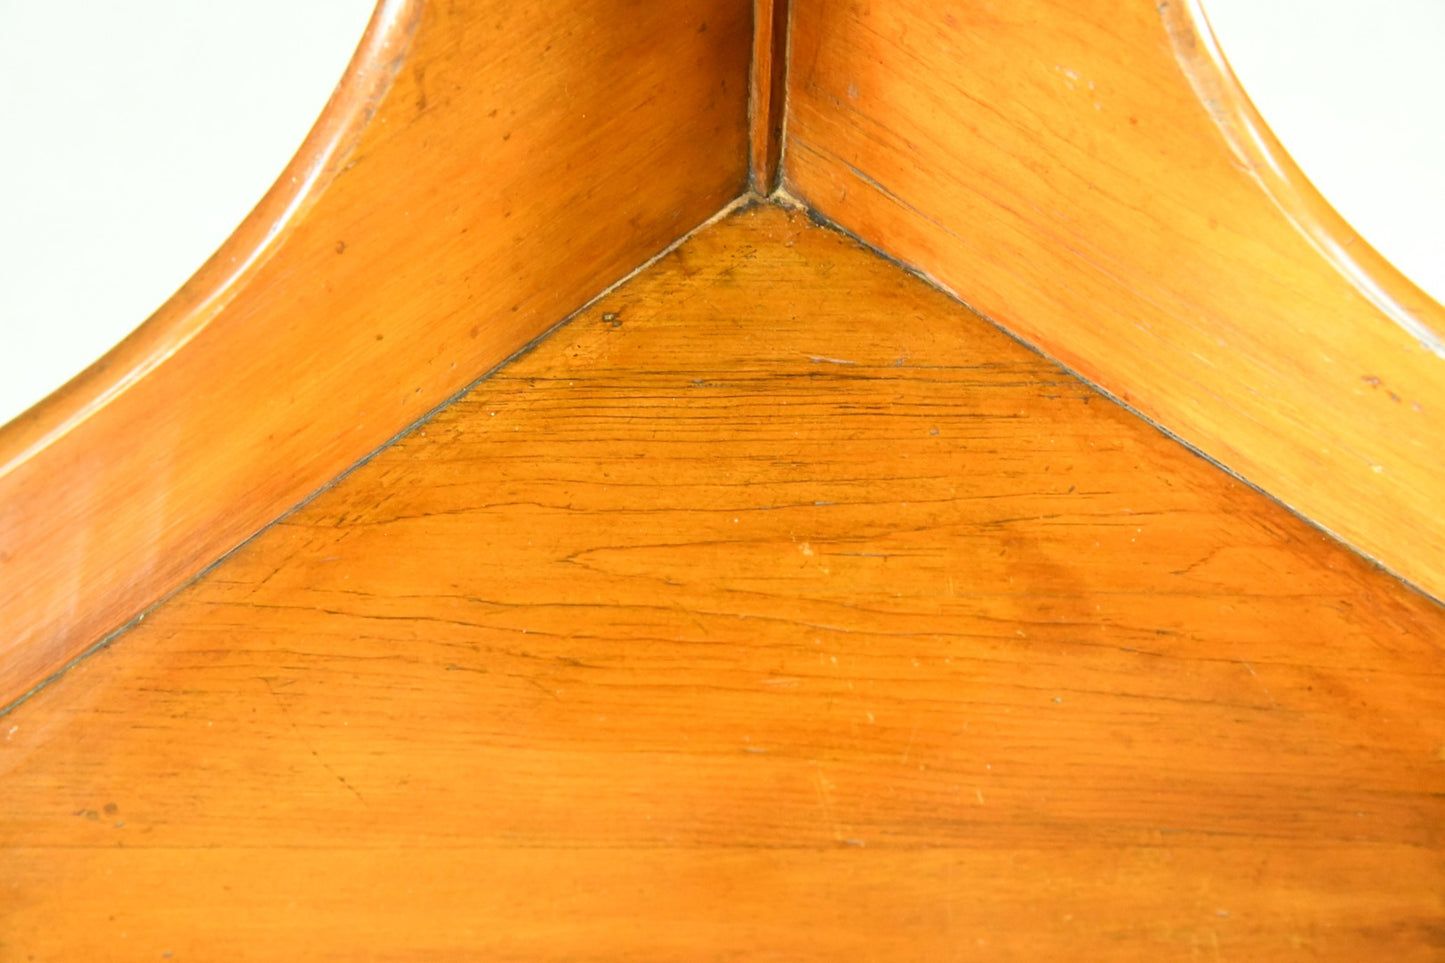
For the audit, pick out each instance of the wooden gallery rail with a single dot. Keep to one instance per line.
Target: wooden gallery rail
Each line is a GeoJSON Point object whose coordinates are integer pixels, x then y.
{"type": "Point", "coordinates": [1087, 176]}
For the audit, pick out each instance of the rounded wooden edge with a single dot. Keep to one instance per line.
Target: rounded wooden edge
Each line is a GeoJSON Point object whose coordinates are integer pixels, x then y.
{"type": "Point", "coordinates": [1261, 154]}
{"type": "Point", "coordinates": [200, 299]}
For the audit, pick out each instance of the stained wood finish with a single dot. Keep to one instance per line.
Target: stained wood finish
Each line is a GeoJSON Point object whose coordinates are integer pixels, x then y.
{"type": "Point", "coordinates": [526, 156]}
{"type": "Point", "coordinates": [767, 93]}
{"type": "Point", "coordinates": [776, 607]}
{"type": "Point", "coordinates": [1053, 164]}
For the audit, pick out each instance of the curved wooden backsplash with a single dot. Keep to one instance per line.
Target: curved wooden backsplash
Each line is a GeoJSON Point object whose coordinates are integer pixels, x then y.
{"type": "Point", "coordinates": [523, 158]}
{"type": "Point", "coordinates": [1054, 165]}
{"type": "Point", "coordinates": [1089, 176]}
{"type": "Point", "coordinates": [777, 606]}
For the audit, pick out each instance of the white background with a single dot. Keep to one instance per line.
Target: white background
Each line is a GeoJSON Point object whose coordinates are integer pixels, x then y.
{"type": "Point", "coordinates": [135, 135]}
{"type": "Point", "coordinates": [1355, 90]}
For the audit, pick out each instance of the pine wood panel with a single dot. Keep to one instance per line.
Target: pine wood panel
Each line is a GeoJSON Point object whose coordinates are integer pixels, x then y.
{"type": "Point", "coordinates": [526, 156]}
{"type": "Point", "coordinates": [775, 607]}
{"type": "Point", "coordinates": [1053, 165]}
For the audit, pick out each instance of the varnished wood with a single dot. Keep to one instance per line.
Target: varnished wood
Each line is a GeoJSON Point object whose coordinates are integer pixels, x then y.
{"type": "Point", "coordinates": [1057, 168]}
{"type": "Point", "coordinates": [776, 607]}
{"type": "Point", "coordinates": [767, 97]}
{"type": "Point", "coordinates": [526, 156]}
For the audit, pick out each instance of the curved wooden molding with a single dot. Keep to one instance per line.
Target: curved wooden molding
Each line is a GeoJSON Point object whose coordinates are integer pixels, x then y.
{"type": "Point", "coordinates": [483, 171]}
{"type": "Point", "coordinates": [1056, 166]}
{"type": "Point", "coordinates": [1260, 152]}
{"type": "Point", "coordinates": [210, 289]}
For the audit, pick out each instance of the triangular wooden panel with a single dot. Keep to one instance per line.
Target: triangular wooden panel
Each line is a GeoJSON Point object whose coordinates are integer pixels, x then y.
{"type": "Point", "coordinates": [776, 607]}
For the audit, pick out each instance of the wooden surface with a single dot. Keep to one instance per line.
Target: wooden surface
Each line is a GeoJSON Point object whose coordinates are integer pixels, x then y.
{"type": "Point", "coordinates": [767, 94]}
{"type": "Point", "coordinates": [775, 608]}
{"type": "Point", "coordinates": [526, 156]}
{"type": "Point", "coordinates": [1054, 165]}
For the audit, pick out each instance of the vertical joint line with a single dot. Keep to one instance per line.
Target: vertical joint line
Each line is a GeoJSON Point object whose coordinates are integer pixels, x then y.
{"type": "Point", "coordinates": [767, 98]}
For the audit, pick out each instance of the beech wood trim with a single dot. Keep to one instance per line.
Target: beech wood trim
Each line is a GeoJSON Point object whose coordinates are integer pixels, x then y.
{"type": "Point", "coordinates": [1055, 165]}
{"type": "Point", "coordinates": [768, 95]}
{"type": "Point", "coordinates": [525, 156]}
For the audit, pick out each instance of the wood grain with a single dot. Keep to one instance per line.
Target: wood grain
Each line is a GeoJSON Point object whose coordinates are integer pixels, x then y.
{"type": "Point", "coordinates": [775, 607]}
{"type": "Point", "coordinates": [1054, 165]}
{"type": "Point", "coordinates": [526, 156]}
{"type": "Point", "coordinates": [767, 97]}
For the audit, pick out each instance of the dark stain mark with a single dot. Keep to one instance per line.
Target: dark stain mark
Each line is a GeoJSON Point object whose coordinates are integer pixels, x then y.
{"type": "Point", "coordinates": [340, 247]}
{"type": "Point", "coordinates": [1375, 382]}
{"type": "Point", "coordinates": [111, 809]}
